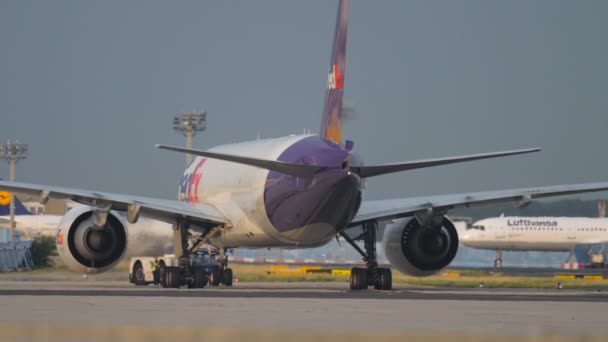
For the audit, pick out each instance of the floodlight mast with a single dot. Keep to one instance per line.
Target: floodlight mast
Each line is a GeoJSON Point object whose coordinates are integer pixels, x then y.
{"type": "Point", "coordinates": [190, 124]}
{"type": "Point", "coordinates": [13, 152]}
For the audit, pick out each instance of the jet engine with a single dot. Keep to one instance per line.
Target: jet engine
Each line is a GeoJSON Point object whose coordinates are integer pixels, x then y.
{"type": "Point", "coordinates": [84, 246]}
{"type": "Point", "coordinates": [420, 249]}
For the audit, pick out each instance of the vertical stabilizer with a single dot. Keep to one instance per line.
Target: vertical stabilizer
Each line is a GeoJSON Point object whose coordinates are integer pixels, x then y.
{"type": "Point", "coordinates": [5, 202]}
{"type": "Point", "coordinates": [331, 129]}
{"type": "Point", "coordinates": [5, 205]}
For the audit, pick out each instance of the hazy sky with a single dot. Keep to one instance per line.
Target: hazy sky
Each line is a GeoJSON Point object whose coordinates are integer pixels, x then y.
{"type": "Point", "coordinates": [92, 86]}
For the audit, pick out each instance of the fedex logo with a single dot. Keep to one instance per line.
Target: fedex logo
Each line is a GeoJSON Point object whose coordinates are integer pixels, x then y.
{"type": "Point", "coordinates": [335, 79]}
{"type": "Point", "coordinates": [188, 188]}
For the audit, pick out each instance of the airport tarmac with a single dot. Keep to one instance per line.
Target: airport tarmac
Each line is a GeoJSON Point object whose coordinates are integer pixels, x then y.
{"type": "Point", "coordinates": [54, 309]}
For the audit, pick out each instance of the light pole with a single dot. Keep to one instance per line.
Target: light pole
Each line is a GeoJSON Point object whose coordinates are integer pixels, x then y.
{"type": "Point", "coordinates": [190, 124]}
{"type": "Point", "coordinates": [13, 151]}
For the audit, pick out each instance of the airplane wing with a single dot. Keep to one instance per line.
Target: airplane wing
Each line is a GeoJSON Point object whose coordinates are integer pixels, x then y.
{"type": "Point", "coordinates": [159, 209]}
{"type": "Point", "coordinates": [401, 207]}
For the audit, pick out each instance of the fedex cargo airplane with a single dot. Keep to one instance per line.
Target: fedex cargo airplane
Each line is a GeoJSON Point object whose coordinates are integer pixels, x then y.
{"type": "Point", "coordinates": [549, 234]}
{"type": "Point", "coordinates": [296, 191]}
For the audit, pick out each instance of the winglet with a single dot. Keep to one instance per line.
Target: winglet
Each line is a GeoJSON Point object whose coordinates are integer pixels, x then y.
{"type": "Point", "coordinates": [331, 128]}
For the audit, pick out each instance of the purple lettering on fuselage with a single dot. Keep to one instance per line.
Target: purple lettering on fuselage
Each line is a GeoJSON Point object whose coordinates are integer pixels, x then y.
{"type": "Point", "coordinates": [195, 182]}
{"type": "Point", "coordinates": [188, 188]}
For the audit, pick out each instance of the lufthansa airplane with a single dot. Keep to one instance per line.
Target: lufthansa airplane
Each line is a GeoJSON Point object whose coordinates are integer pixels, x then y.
{"type": "Point", "coordinates": [26, 222]}
{"type": "Point", "coordinates": [291, 192]}
{"type": "Point", "coordinates": [549, 234]}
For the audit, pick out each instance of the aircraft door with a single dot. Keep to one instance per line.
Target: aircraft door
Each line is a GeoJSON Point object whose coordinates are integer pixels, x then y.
{"type": "Point", "coordinates": [571, 234]}
{"type": "Point", "coordinates": [500, 233]}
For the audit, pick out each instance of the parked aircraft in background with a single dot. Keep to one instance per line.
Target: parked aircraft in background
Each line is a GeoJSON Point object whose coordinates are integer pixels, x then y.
{"type": "Point", "coordinates": [25, 222]}
{"type": "Point", "coordinates": [297, 191]}
{"type": "Point", "coordinates": [554, 234]}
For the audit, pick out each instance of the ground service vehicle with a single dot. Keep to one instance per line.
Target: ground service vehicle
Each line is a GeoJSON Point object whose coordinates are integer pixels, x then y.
{"type": "Point", "coordinates": [140, 268]}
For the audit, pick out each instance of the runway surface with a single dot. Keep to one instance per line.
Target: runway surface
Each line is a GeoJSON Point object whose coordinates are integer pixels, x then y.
{"type": "Point", "coordinates": [294, 309]}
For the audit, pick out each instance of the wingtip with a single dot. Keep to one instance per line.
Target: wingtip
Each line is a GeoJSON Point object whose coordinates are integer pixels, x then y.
{"type": "Point", "coordinates": [158, 145]}
{"type": "Point", "coordinates": [531, 150]}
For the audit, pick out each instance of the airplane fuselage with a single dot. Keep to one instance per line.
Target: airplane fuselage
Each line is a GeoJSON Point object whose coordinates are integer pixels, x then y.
{"type": "Point", "coordinates": [535, 233]}
{"type": "Point", "coordinates": [36, 225]}
{"type": "Point", "coordinates": [271, 209]}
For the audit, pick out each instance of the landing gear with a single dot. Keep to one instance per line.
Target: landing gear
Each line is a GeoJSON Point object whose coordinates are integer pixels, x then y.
{"type": "Point", "coordinates": [498, 260]}
{"type": "Point", "coordinates": [358, 278]}
{"type": "Point", "coordinates": [216, 278]}
{"type": "Point", "coordinates": [384, 281]}
{"type": "Point", "coordinates": [184, 274]}
{"type": "Point", "coordinates": [199, 280]}
{"type": "Point", "coordinates": [361, 278]}
{"type": "Point", "coordinates": [227, 277]}
{"type": "Point", "coordinates": [224, 274]}
{"type": "Point", "coordinates": [172, 277]}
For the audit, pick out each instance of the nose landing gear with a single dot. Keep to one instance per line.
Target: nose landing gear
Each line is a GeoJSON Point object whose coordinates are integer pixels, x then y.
{"type": "Point", "coordinates": [361, 278]}
{"type": "Point", "coordinates": [498, 260]}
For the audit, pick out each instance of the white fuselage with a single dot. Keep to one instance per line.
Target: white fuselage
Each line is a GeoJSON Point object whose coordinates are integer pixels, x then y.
{"type": "Point", "coordinates": [535, 233]}
{"type": "Point", "coordinates": [35, 225]}
{"type": "Point", "coordinates": [238, 190]}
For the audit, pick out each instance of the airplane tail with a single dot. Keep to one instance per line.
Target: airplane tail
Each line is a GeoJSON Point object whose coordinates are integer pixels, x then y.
{"type": "Point", "coordinates": [5, 203]}
{"type": "Point", "coordinates": [331, 128]}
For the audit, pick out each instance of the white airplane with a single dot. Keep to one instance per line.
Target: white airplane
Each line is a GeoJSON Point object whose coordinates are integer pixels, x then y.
{"type": "Point", "coordinates": [25, 222]}
{"type": "Point", "coordinates": [150, 237]}
{"type": "Point", "coordinates": [297, 191]}
{"type": "Point", "coordinates": [549, 234]}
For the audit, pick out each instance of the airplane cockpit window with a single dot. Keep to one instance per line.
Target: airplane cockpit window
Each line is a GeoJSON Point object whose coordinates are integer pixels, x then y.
{"type": "Point", "coordinates": [476, 228]}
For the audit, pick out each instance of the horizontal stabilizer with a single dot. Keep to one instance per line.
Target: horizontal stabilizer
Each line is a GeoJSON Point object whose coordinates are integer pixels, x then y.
{"type": "Point", "coordinates": [376, 170]}
{"type": "Point", "coordinates": [298, 170]}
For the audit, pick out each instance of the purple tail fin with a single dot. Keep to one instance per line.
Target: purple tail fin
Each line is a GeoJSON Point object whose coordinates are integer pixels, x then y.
{"type": "Point", "coordinates": [331, 129]}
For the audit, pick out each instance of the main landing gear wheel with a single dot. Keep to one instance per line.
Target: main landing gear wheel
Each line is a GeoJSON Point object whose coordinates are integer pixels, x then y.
{"type": "Point", "coordinates": [139, 278]}
{"type": "Point", "coordinates": [384, 279]}
{"type": "Point", "coordinates": [358, 278]}
{"type": "Point", "coordinates": [172, 277]}
{"type": "Point", "coordinates": [199, 280]}
{"type": "Point", "coordinates": [221, 277]}
{"type": "Point", "coordinates": [362, 278]}
{"type": "Point", "coordinates": [227, 277]}
{"type": "Point", "coordinates": [216, 278]}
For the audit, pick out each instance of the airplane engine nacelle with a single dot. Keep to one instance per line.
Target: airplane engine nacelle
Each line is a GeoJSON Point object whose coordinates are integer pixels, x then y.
{"type": "Point", "coordinates": [83, 247]}
{"type": "Point", "coordinates": [414, 249]}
